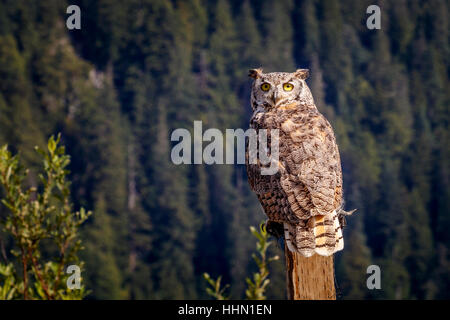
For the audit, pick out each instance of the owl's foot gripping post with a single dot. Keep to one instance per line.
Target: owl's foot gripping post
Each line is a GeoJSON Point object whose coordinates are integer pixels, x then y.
{"type": "Point", "coordinates": [276, 229]}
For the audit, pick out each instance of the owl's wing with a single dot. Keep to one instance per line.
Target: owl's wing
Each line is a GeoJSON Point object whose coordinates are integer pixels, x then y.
{"type": "Point", "coordinates": [312, 179]}
{"type": "Point", "coordinates": [313, 159]}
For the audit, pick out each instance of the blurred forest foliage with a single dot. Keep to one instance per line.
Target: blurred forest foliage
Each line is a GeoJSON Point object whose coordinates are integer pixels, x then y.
{"type": "Point", "coordinates": [139, 69]}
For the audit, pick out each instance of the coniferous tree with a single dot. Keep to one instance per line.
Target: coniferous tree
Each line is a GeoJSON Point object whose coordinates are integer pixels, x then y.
{"type": "Point", "coordinates": [137, 70]}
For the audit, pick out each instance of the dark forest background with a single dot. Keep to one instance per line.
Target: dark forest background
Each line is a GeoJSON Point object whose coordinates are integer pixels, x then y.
{"type": "Point", "coordinates": [139, 69]}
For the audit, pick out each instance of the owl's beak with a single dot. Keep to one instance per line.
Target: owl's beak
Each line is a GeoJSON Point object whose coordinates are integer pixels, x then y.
{"type": "Point", "coordinates": [275, 98]}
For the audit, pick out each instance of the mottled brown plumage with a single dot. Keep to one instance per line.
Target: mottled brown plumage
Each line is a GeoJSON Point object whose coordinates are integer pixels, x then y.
{"type": "Point", "coordinates": [306, 192]}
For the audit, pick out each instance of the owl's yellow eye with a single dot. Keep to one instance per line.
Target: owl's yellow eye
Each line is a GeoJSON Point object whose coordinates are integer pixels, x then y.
{"type": "Point", "coordinates": [265, 86]}
{"type": "Point", "coordinates": [288, 86]}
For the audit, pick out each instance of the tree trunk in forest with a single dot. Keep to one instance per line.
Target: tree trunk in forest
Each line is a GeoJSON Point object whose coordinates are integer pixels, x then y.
{"type": "Point", "coordinates": [132, 196]}
{"type": "Point", "coordinates": [309, 278]}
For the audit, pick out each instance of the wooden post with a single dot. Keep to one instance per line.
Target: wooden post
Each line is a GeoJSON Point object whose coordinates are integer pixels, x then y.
{"type": "Point", "coordinates": [309, 278]}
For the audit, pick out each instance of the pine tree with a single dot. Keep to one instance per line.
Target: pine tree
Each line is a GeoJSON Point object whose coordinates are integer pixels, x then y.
{"type": "Point", "coordinates": [277, 36]}
{"type": "Point", "coordinates": [100, 178]}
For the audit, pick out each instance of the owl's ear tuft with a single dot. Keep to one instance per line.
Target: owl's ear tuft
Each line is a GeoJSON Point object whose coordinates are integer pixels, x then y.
{"type": "Point", "coordinates": [255, 73]}
{"type": "Point", "coordinates": [302, 73]}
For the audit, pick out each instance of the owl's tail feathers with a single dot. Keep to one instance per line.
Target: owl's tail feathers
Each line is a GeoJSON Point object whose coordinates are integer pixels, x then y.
{"type": "Point", "coordinates": [327, 234]}
{"type": "Point", "coordinates": [299, 239]}
{"type": "Point", "coordinates": [321, 235]}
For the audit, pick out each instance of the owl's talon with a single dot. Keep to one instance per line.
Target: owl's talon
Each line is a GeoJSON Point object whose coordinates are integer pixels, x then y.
{"type": "Point", "coordinates": [275, 229]}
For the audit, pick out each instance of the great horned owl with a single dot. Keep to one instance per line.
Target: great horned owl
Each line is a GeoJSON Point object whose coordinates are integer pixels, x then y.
{"type": "Point", "coordinates": [305, 195]}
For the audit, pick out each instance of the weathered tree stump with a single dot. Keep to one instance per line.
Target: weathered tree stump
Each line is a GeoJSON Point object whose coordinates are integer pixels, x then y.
{"type": "Point", "coordinates": [309, 278]}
